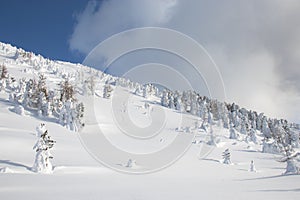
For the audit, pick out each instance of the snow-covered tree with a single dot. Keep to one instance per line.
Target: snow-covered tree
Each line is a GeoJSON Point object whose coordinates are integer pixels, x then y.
{"type": "Point", "coordinates": [270, 146]}
{"type": "Point", "coordinates": [71, 115]}
{"type": "Point", "coordinates": [210, 118]}
{"type": "Point", "coordinates": [251, 137]}
{"type": "Point", "coordinates": [204, 125]}
{"type": "Point", "coordinates": [89, 86]}
{"type": "Point", "coordinates": [178, 102]}
{"type": "Point", "coordinates": [67, 91]}
{"type": "Point", "coordinates": [3, 72]}
{"type": "Point", "coordinates": [171, 101]}
{"type": "Point", "coordinates": [213, 140]}
{"type": "Point", "coordinates": [244, 130]}
{"type": "Point", "coordinates": [226, 157]}
{"type": "Point", "coordinates": [3, 77]}
{"type": "Point", "coordinates": [66, 115]}
{"type": "Point", "coordinates": [233, 134]}
{"type": "Point", "coordinates": [19, 109]}
{"type": "Point", "coordinates": [202, 109]}
{"type": "Point", "coordinates": [146, 91]}
{"type": "Point", "coordinates": [138, 90]}
{"type": "Point", "coordinates": [28, 95]}
{"type": "Point", "coordinates": [107, 91]}
{"type": "Point", "coordinates": [131, 163]}
{"type": "Point", "coordinates": [165, 98]}
{"type": "Point", "coordinates": [79, 116]}
{"type": "Point", "coordinates": [291, 164]}
{"type": "Point", "coordinates": [42, 147]}
{"type": "Point", "coordinates": [265, 128]}
{"type": "Point", "coordinates": [252, 166]}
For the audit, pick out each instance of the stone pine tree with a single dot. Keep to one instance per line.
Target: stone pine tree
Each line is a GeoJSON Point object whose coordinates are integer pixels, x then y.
{"type": "Point", "coordinates": [226, 157]}
{"type": "Point", "coordinates": [107, 91]}
{"type": "Point", "coordinates": [42, 147]}
{"type": "Point", "coordinates": [79, 112]}
{"type": "Point", "coordinates": [252, 166]}
{"type": "Point", "coordinates": [4, 73]}
{"type": "Point", "coordinates": [233, 133]}
{"type": "Point", "coordinates": [291, 164]}
{"type": "Point", "coordinates": [67, 91]}
{"type": "Point", "coordinates": [284, 140]}
{"type": "Point", "coordinates": [70, 113]}
{"type": "Point", "coordinates": [213, 141]}
{"type": "Point", "coordinates": [3, 77]}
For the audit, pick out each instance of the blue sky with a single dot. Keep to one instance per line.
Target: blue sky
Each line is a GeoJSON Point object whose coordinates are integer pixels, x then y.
{"type": "Point", "coordinates": [43, 27]}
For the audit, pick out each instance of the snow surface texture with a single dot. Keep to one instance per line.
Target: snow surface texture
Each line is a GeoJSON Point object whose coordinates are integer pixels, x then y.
{"type": "Point", "coordinates": [198, 174]}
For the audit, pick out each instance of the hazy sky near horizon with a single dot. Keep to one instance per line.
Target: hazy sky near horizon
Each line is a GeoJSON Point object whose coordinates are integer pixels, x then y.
{"type": "Point", "coordinates": [255, 43]}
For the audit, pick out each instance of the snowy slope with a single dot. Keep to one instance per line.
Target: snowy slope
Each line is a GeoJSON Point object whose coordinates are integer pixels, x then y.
{"type": "Point", "coordinates": [78, 176]}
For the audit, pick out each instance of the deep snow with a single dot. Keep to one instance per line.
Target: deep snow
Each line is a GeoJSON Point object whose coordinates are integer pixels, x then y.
{"type": "Point", "coordinates": [76, 175]}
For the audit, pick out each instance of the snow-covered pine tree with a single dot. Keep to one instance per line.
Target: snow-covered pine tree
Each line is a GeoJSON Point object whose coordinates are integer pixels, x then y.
{"type": "Point", "coordinates": [210, 118]}
{"type": "Point", "coordinates": [19, 109]}
{"type": "Point", "coordinates": [284, 139]}
{"type": "Point", "coordinates": [4, 73]}
{"type": "Point", "coordinates": [194, 104]}
{"type": "Point", "coordinates": [251, 137]}
{"type": "Point", "coordinates": [224, 115]}
{"type": "Point", "coordinates": [66, 115]}
{"type": "Point", "coordinates": [131, 163]}
{"type": "Point", "coordinates": [171, 101]}
{"type": "Point", "coordinates": [226, 157]}
{"type": "Point", "coordinates": [42, 147]}
{"type": "Point", "coordinates": [138, 90]}
{"type": "Point", "coordinates": [165, 98]}
{"type": "Point", "coordinates": [79, 112]}
{"type": "Point", "coordinates": [291, 164]}
{"type": "Point", "coordinates": [202, 109]}
{"type": "Point", "coordinates": [89, 86]}
{"type": "Point", "coordinates": [265, 128]}
{"type": "Point", "coordinates": [213, 141]}
{"type": "Point", "coordinates": [107, 91]}
{"type": "Point", "coordinates": [27, 94]}
{"type": "Point", "coordinates": [252, 166]}
{"type": "Point", "coordinates": [270, 146]}
{"type": "Point", "coordinates": [177, 102]}
{"type": "Point", "coordinates": [41, 92]}
{"type": "Point", "coordinates": [146, 91]}
{"type": "Point", "coordinates": [204, 125]}
{"type": "Point", "coordinates": [233, 134]}
{"type": "Point", "coordinates": [3, 77]}
{"type": "Point", "coordinates": [243, 130]}
{"type": "Point", "coordinates": [67, 91]}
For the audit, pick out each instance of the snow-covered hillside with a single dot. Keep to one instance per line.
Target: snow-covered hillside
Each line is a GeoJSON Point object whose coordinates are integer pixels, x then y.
{"type": "Point", "coordinates": [205, 168]}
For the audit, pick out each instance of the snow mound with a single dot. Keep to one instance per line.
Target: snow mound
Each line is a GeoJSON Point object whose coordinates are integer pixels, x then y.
{"type": "Point", "coordinates": [6, 170]}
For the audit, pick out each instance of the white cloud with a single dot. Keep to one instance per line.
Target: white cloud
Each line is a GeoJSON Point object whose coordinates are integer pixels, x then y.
{"type": "Point", "coordinates": [101, 20]}
{"type": "Point", "coordinates": [254, 43]}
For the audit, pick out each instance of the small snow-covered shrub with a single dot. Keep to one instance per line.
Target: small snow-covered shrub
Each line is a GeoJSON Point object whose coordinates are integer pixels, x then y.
{"type": "Point", "coordinates": [252, 166]}
{"type": "Point", "coordinates": [131, 163]}
{"type": "Point", "coordinates": [19, 109]}
{"type": "Point", "coordinates": [226, 157]}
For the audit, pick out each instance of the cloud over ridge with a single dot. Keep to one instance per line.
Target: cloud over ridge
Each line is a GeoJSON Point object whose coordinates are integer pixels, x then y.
{"type": "Point", "coordinates": [254, 43]}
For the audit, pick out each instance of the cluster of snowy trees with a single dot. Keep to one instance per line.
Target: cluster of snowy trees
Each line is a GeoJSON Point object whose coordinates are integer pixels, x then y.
{"type": "Point", "coordinates": [5, 79]}
{"type": "Point", "coordinates": [34, 96]}
{"type": "Point", "coordinates": [279, 135]}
